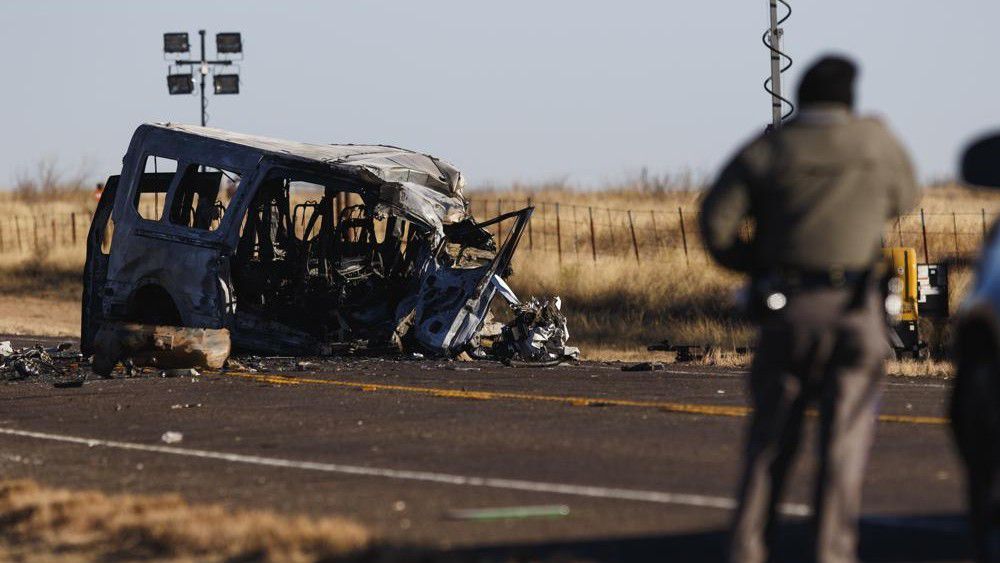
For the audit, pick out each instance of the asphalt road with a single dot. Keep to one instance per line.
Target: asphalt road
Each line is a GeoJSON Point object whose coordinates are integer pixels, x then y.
{"type": "Point", "coordinates": [647, 462]}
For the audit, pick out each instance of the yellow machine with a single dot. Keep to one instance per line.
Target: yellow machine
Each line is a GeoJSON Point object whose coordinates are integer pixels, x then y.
{"type": "Point", "coordinates": [901, 263]}
{"type": "Point", "coordinates": [917, 295]}
{"type": "Point", "coordinates": [902, 302]}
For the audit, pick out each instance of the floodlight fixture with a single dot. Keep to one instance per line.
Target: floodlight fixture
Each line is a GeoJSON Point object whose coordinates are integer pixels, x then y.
{"type": "Point", "coordinates": [226, 83]}
{"type": "Point", "coordinates": [180, 83]}
{"type": "Point", "coordinates": [223, 83]}
{"type": "Point", "coordinates": [228, 43]}
{"type": "Point", "coordinates": [176, 43]}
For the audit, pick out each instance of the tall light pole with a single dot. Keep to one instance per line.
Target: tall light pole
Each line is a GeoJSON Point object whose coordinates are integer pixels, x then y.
{"type": "Point", "coordinates": [183, 82]}
{"type": "Point", "coordinates": [780, 62]}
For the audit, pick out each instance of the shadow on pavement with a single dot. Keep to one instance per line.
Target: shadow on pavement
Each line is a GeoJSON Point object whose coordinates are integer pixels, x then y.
{"type": "Point", "coordinates": [930, 538]}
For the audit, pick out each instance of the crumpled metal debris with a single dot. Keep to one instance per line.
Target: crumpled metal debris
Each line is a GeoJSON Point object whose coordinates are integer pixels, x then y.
{"type": "Point", "coordinates": [538, 333]}
{"type": "Point", "coordinates": [644, 366]}
{"type": "Point", "coordinates": [36, 361]}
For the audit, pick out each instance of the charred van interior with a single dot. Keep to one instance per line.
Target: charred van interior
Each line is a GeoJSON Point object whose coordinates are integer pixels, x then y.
{"type": "Point", "coordinates": [336, 272]}
{"type": "Point", "coordinates": [291, 248]}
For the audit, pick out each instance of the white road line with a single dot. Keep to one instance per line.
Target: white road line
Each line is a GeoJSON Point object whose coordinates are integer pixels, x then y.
{"type": "Point", "coordinates": [661, 497]}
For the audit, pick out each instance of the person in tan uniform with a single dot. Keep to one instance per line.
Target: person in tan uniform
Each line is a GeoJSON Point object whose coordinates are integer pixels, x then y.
{"type": "Point", "coordinates": [817, 192]}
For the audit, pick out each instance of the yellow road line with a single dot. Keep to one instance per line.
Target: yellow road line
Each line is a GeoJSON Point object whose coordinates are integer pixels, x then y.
{"type": "Point", "coordinates": [685, 408]}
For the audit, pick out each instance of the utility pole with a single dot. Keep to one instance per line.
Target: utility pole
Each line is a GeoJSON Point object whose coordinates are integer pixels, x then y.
{"type": "Point", "coordinates": [183, 83]}
{"type": "Point", "coordinates": [204, 73]}
{"type": "Point", "coordinates": [772, 40]}
{"type": "Point", "coordinates": [775, 31]}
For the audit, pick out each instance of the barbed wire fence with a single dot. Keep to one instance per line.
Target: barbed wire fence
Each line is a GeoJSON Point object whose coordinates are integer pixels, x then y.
{"type": "Point", "coordinates": [582, 232]}
{"type": "Point", "coordinates": [27, 233]}
{"type": "Point", "coordinates": [574, 232]}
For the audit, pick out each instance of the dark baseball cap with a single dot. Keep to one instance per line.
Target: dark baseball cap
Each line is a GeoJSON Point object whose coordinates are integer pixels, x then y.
{"type": "Point", "coordinates": [829, 80]}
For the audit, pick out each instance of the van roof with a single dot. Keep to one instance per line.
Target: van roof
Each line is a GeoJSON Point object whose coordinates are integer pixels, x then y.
{"type": "Point", "coordinates": [377, 163]}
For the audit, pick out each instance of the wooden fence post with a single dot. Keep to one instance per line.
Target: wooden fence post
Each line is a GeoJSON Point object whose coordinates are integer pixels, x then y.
{"type": "Point", "coordinates": [635, 242]}
{"type": "Point", "coordinates": [923, 229]}
{"type": "Point", "coordinates": [684, 237]}
{"type": "Point", "coordinates": [72, 219]}
{"type": "Point", "coordinates": [53, 230]}
{"type": "Point", "coordinates": [593, 239]}
{"type": "Point", "coordinates": [576, 238]}
{"type": "Point", "coordinates": [558, 235]}
{"type": "Point", "coordinates": [34, 229]}
{"type": "Point", "coordinates": [17, 224]}
{"type": "Point", "coordinates": [954, 230]}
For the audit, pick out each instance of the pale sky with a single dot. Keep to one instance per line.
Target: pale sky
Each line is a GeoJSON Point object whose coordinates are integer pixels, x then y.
{"type": "Point", "coordinates": [518, 90]}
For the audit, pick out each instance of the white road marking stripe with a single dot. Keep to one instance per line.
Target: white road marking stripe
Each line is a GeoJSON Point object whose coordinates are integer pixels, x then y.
{"type": "Point", "coordinates": [701, 501]}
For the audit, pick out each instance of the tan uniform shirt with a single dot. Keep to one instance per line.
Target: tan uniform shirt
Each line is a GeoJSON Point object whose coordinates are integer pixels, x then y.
{"type": "Point", "coordinates": [819, 192]}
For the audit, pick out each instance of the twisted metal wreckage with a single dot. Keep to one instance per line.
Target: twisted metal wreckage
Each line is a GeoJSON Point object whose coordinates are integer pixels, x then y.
{"type": "Point", "coordinates": [408, 269]}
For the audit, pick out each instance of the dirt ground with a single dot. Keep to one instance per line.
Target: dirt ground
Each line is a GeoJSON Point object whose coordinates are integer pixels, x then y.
{"type": "Point", "coordinates": [38, 316]}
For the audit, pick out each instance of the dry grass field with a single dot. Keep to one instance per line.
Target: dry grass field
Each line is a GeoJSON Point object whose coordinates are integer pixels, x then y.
{"type": "Point", "coordinates": [615, 304]}
{"type": "Point", "coordinates": [39, 523]}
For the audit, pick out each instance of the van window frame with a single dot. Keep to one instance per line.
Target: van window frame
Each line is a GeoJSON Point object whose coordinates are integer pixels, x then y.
{"type": "Point", "coordinates": [184, 149]}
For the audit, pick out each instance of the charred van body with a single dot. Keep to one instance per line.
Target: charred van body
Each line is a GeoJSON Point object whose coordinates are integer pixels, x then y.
{"type": "Point", "coordinates": [295, 248]}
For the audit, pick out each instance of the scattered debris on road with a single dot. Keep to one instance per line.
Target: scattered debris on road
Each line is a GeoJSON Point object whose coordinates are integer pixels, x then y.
{"type": "Point", "coordinates": [685, 352]}
{"type": "Point", "coordinates": [171, 437]}
{"type": "Point", "coordinates": [180, 372]}
{"type": "Point", "coordinates": [645, 366]}
{"type": "Point", "coordinates": [34, 362]}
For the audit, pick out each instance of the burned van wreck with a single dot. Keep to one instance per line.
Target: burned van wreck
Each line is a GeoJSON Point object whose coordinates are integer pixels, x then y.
{"type": "Point", "coordinates": [299, 249]}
